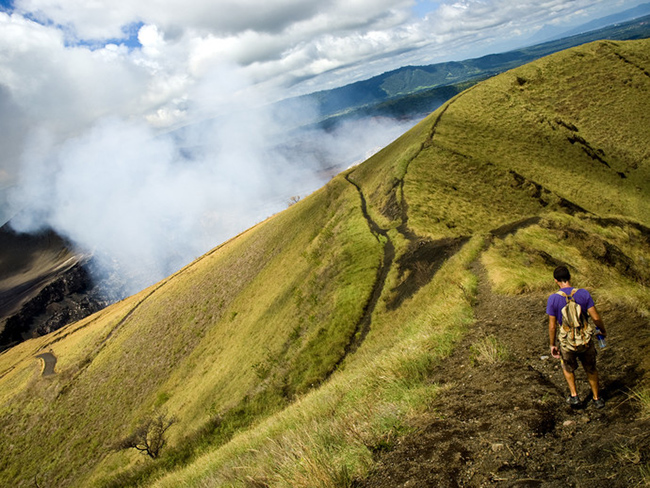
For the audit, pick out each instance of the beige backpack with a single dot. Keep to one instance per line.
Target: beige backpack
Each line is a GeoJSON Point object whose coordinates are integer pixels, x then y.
{"type": "Point", "coordinates": [576, 331]}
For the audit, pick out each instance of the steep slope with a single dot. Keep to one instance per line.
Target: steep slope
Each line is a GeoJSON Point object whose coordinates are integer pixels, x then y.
{"type": "Point", "coordinates": [502, 418]}
{"type": "Point", "coordinates": [203, 341]}
{"type": "Point", "coordinates": [297, 352]}
{"type": "Point", "coordinates": [44, 285]}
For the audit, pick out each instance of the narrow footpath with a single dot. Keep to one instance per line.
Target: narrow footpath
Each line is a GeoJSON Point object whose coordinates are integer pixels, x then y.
{"type": "Point", "coordinates": [363, 326]}
{"type": "Point", "coordinates": [49, 362]}
{"type": "Point", "coordinates": [507, 424]}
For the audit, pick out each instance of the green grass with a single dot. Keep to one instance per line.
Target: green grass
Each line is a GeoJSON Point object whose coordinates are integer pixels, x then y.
{"type": "Point", "coordinates": [193, 343]}
{"type": "Point", "coordinates": [531, 120]}
{"type": "Point", "coordinates": [612, 260]}
{"type": "Point", "coordinates": [330, 434]}
{"type": "Point", "coordinates": [642, 398]}
{"type": "Point", "coordinates": [248, 346]}
{"type": "Point", "coordinates": [488, 350]}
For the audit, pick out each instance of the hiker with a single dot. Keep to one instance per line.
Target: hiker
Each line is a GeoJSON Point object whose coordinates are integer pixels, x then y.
{"type": "Point", "coordinates": [574, 344]}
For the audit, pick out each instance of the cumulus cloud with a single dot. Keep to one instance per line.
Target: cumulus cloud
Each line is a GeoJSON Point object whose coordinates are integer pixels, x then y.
{"type": "Point", "coordinates": [61, 87]}
{"type": "Point", "coordinates": [281, 45]}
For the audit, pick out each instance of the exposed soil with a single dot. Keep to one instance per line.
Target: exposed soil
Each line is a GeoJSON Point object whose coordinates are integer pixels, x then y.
{"type": "Point", "coordinates": [363, 326]}
{"type": "Point", "coordinates": [419, 263]}
{"type": "Point", "coordinates": [507, 424]}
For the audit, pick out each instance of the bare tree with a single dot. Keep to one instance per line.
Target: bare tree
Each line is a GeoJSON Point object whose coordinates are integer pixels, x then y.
{"type": "Point", "coordinates": [149, 436]}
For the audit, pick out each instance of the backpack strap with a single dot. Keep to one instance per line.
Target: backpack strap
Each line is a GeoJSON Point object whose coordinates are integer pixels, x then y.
{"type": "Point", "coordinates": [568, 297]}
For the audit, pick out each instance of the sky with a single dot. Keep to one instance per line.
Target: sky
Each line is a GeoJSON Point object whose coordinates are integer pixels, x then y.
{"type": "Point", "coordinates": [91, 92]}
{"type": "Point", "coordinates": [69, 62]}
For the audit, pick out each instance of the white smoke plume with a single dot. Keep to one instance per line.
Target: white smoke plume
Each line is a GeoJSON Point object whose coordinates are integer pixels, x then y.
{"type": "Point", "coordinates": [145, 204]}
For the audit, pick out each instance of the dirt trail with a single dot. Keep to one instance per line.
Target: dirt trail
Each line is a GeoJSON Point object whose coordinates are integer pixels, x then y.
{"type": "Point", "coordinates": [363, 326]}
{"type": "Point", "coordinates": [49, 362]}
{"type": "Point", "coordinates": [416, 268]}
{"type": "Point", "coordinates": [508, 425]}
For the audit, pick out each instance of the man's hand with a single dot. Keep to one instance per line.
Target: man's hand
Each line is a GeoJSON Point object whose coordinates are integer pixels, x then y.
{"type": "Point", "coordinates": [555, 352]}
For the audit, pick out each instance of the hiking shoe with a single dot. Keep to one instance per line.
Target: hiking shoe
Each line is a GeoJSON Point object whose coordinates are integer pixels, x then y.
{"type": "Point", "coordinates": [600, 403]}
{"type": "Point", "coordinates": [574, 401]}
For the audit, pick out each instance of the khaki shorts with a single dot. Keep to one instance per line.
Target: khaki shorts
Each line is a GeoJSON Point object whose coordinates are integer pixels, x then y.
{"type": "Point", "coordinates": [587, 357]}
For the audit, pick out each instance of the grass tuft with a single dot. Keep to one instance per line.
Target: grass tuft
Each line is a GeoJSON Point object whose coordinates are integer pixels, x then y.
{"type": "Point", "coordinates": [642, 397]}
{"type": "Point", "coordinates": [488, 350]}
{"type": "Point", "coordinates": [627, 454]}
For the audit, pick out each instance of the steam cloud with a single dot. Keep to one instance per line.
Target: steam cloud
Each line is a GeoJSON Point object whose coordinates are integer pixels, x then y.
{"type": "Point", "coordinates": [146, 204]}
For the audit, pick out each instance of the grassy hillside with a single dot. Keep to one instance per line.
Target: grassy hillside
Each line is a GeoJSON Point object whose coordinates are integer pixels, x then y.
{"type": "Point", "coordinates": [295, 353]}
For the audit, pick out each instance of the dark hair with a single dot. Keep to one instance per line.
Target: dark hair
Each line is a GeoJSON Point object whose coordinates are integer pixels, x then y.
{"type": "Point", "coordinates": [562, 274]}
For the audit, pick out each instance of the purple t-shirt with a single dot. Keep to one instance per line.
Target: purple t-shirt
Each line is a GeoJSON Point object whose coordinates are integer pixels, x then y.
{"type": "Point", "coordinates": [556, 302]}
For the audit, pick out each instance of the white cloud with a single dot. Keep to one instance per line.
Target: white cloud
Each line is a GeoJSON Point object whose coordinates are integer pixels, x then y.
{"type": "Point", "coordinates": [103, 19]}
{"type": "Point", "coordinates": [277, 43]}
{"type": "Point", "coordinates": [64, 88]}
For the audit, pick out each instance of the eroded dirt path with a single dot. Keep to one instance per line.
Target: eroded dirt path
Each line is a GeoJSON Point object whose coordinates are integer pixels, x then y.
{"type": "Point", "coordinates": [507, 424]}
{"type": "Point", "coordinates": [420, 262]}
{"type": "Point", "coordinates": [49, 362]}
{"type": "Point", "coordinates": [363, 326]}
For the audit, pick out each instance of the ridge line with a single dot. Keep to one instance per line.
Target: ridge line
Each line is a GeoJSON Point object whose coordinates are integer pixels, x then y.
{"type": "Point", "coordinates": [363, 324]}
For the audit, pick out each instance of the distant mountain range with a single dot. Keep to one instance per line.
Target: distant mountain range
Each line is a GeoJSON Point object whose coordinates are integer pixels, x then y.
{"type": "Point", "coordinates": [552, 33]}
{"type": "Point", "coordinates": [414, 91]}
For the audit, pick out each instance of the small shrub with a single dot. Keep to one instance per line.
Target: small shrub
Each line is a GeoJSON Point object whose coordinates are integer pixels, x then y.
{"type": "Point", "coordinates": [643, 398]}
{"type": "Point", "coordinates": [149, 436]}
{"type": "Point", "coordinates": [488, 351]}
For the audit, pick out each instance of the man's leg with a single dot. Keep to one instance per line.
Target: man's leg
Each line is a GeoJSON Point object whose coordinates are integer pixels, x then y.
{"type": "Point", "coordinates": [569, 365]}
{"type": "Point", "coordinates": [592, 377]}
{"type": "Point", "coordinates": [571, 381]}
{"type": "Point", "coordinates": [588, 360]}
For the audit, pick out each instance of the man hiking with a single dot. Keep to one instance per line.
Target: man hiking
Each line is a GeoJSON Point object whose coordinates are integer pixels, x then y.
{"type": "Point", "coordinates": [574, 334]}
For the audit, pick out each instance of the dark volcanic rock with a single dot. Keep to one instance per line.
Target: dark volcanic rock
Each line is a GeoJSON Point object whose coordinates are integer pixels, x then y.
{"type": "Point", "coordinates": [44, 285]}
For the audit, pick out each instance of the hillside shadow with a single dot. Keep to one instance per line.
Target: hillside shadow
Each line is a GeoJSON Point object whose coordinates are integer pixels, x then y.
{"type": "Point", "coordinates": [418, 265]}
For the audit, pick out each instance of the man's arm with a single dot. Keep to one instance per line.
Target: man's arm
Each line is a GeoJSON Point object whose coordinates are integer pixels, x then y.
{"type": "Point", "coordinates": [552, 326]}
{"type": "Point", "coordinates": [593, 313]}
